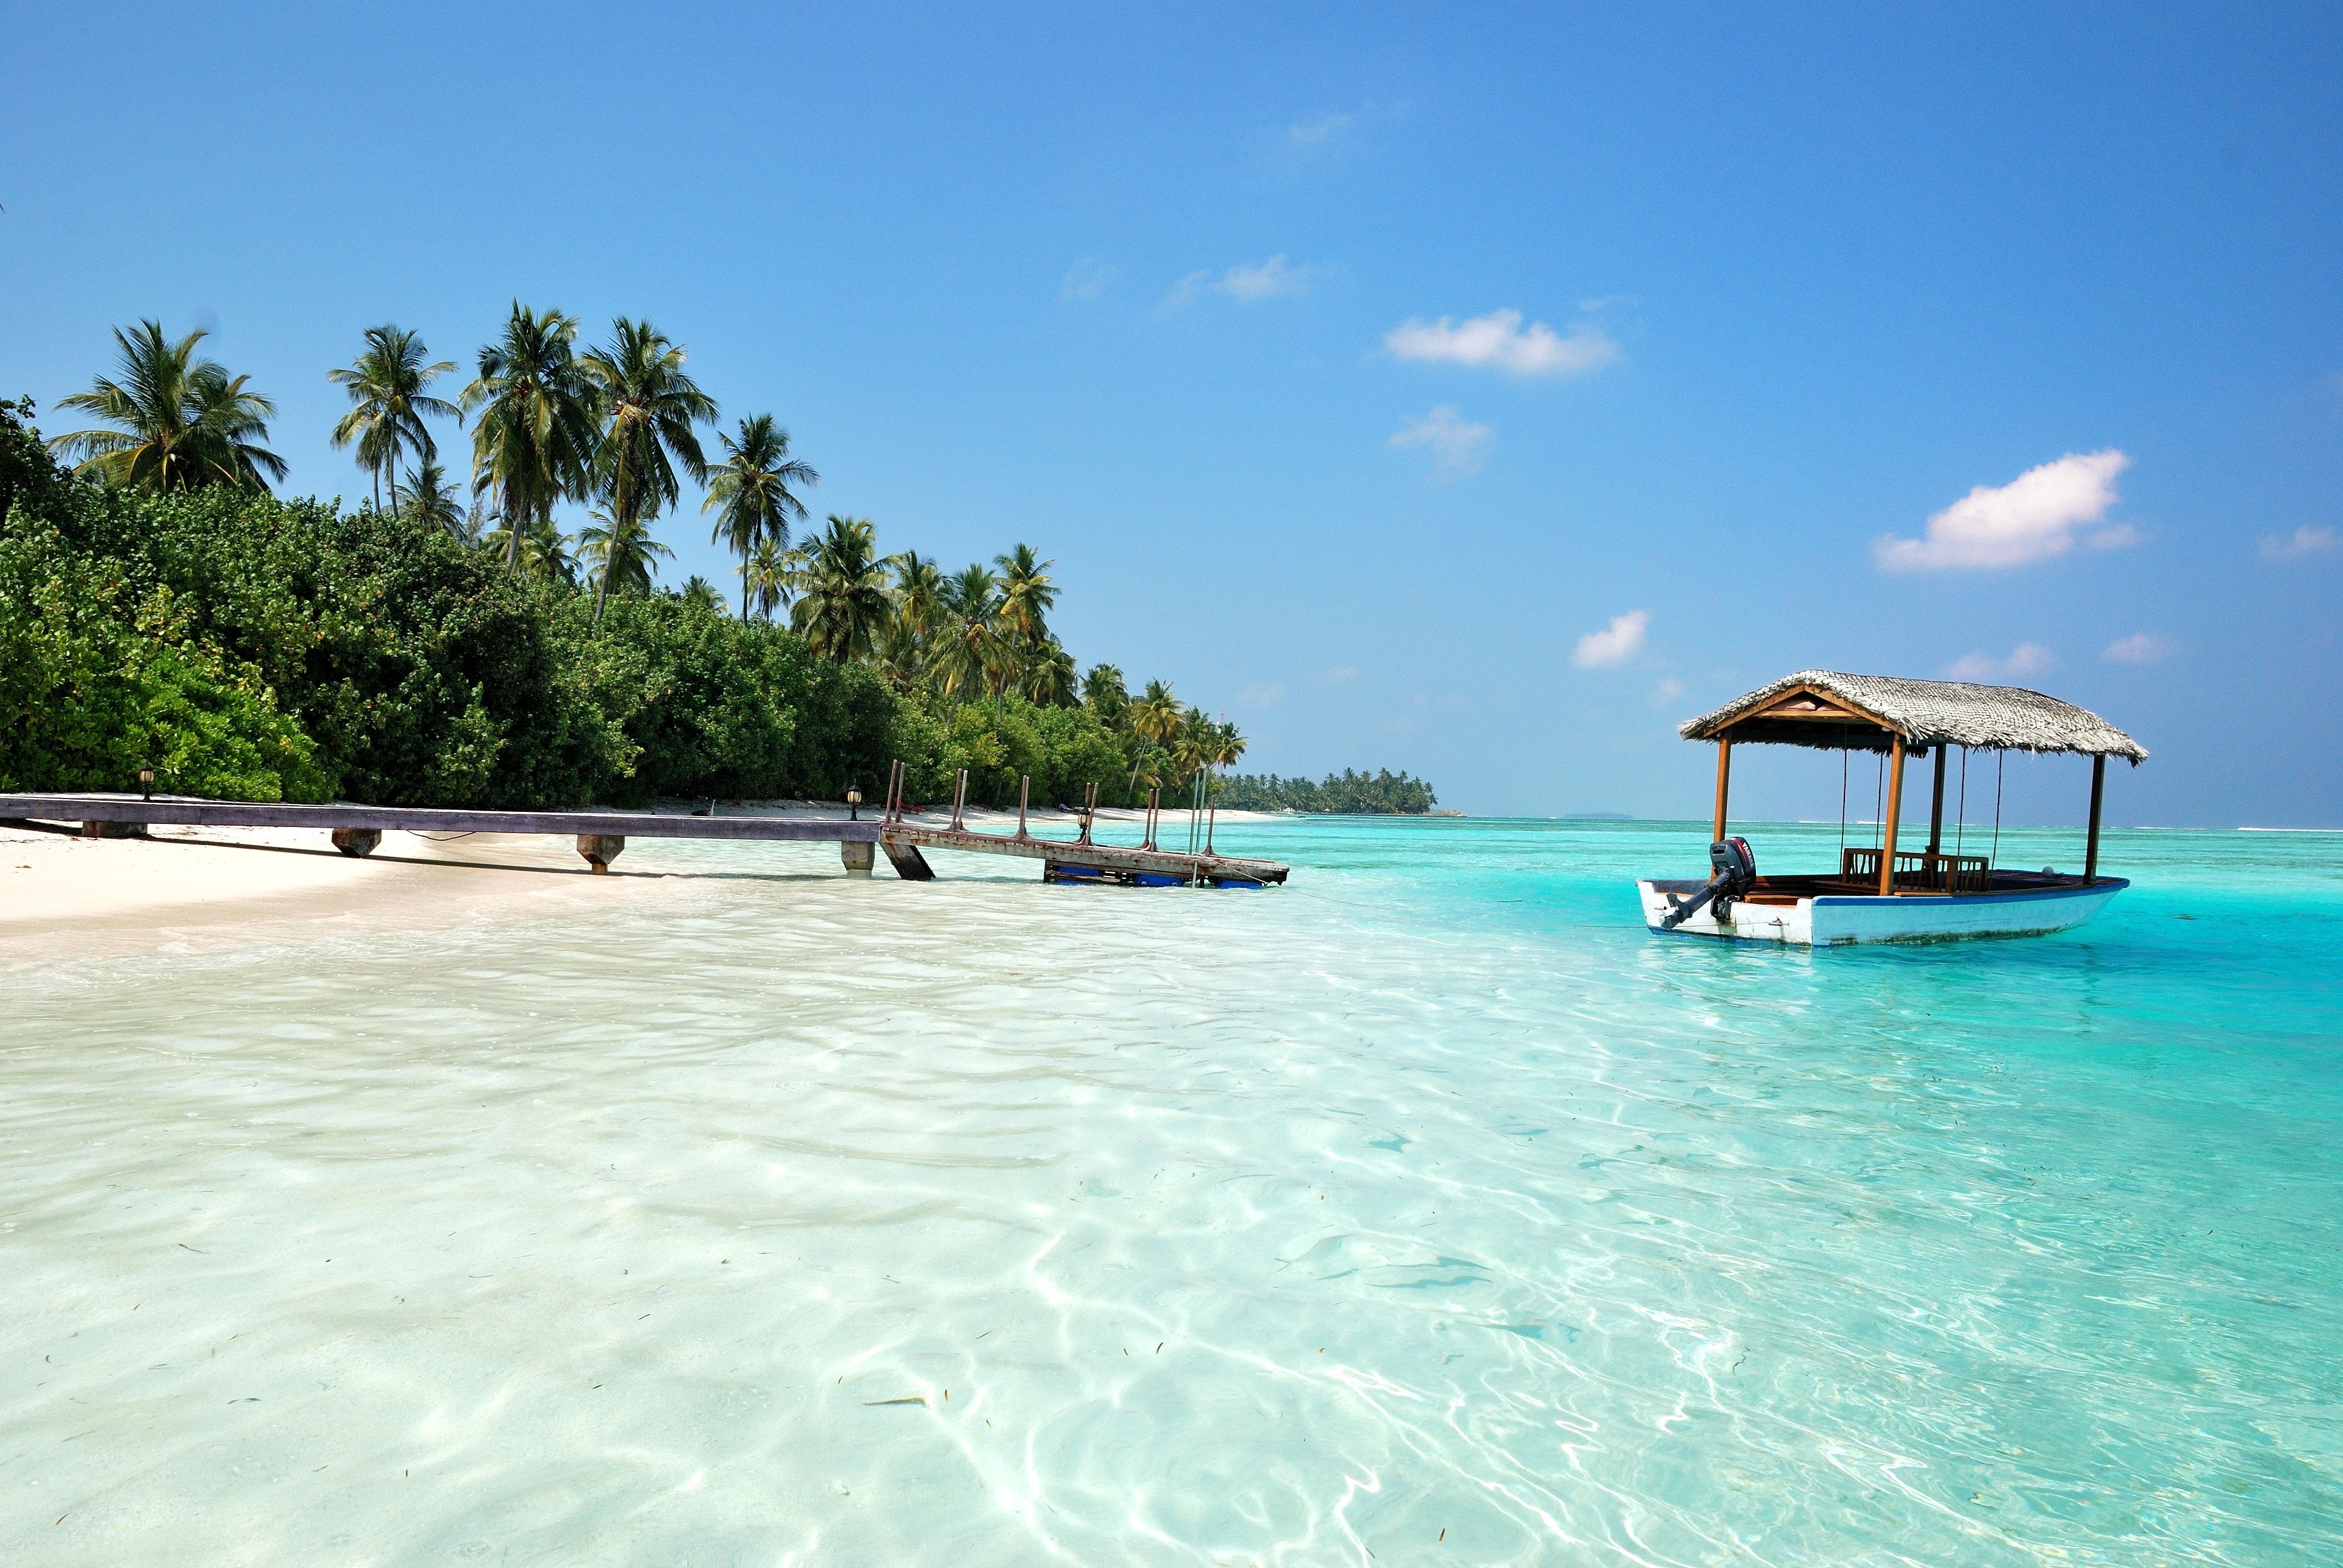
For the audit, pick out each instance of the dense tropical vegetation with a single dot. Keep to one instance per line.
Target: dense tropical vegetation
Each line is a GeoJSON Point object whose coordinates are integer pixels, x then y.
{"type": "Point", "coordinates": [1379, 794]}
{"type": "Point", "coordinates": [159, 608]}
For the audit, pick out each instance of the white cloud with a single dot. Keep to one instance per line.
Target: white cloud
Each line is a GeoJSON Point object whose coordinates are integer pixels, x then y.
{"type": "Point", "coordinates": [1276, 279]}
{"type": "Point", "coordinates": [1261, 694]}
{"type": "Point", "coordinates": [1314, 135]}
{"type": "Point", "coordinates": [2026, 658]}
{"type": "Point", "coordinates": [1340, 675]}
{"type": "Point", "coordinates": [1668, 690]}
{"type": "Point", "coordinates": [2033, 518]}
{"type": "Point", "coordinates": [2139, 648]}
{"type": "Point", "coordinates": [2305, 540]}
{"type": "Point", "coordinates": [1086, 279]}
{"type": "Point", "coordinates": [1615, 644]}
{"type": "Point", "coordinates": [1496, 341]}
{"type": "Point", "coordinates": [1273, 279]}
{"type": "Point", "coordinates": [1458, 444]}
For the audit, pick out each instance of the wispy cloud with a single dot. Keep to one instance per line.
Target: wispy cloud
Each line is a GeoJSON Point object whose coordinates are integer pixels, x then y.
{"type": "Point", "coordinates": [1261, 694]}
{"type": "Point", "coordinates": [1276, 279]}
{"type": "Point", "coordinates": [1457, 445]}
{"type": "Point", "coordinates": [2305, 540]}
{"type": "Point", "coordinates": [1497, 341]}
{"type": "Point", "coordinates": [1309, 136]}
{"type": "Point", "coordinates": [1340, 675]}
{"type": "Point", "coordinates": [1086, 279]}
{"type": "Point", "coordinates": [2033, 516]}
{"type": "Point", "coordinates": [1668, 690]}
{"type": "Point", "coordinates": [2139, 648]}
{"type": "Point", "coordinates": [1615, 644]}
{"type": "Point", "coordinates": [2026, 658]}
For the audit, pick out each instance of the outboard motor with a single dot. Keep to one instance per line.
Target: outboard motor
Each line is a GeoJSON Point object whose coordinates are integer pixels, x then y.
{"type": "Point", "coordinates": [1732, 874]}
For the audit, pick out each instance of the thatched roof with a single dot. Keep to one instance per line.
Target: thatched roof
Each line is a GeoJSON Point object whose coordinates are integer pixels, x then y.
{"type": "Point", "coordinates": [1822, 707]}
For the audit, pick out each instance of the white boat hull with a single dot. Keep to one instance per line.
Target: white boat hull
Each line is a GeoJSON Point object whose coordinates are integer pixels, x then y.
{"type": "Point", "coordinates": [1835, 919]}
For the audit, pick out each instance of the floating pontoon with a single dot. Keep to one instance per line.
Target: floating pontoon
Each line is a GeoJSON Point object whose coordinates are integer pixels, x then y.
{"type": "Point", "coordinates": [1880, 893]}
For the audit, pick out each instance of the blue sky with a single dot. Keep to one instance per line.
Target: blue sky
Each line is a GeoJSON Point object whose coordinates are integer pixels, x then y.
{"type": "Point", "coordinates": [1477, 392]}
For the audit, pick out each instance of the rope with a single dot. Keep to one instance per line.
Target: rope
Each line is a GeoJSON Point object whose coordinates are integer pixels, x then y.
{"type": "Point", "coordinates": [1995, 859]}
{"type": "Point", "coordinates": [442, 837]}
{"type": "Point", "coordinates": [1961, 812]}
{"type": "Point", "coordinates": [1879, 808]}
{"type": "Point", "coordinates": [1842, 811]}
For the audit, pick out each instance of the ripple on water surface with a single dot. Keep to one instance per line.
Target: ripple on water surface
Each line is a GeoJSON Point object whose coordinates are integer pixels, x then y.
{"type": "Point", "coordinates": [1424, 1207]}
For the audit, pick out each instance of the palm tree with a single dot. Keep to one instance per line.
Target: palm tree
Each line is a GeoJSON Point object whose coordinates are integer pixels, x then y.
{"type": "Point", "coordinates": [433, 500]}
{"type": "Point", "coordinates": [1192, 743]}
{"type": "Point", "coordinates": [619, 555]}
{"type": "Point", "coordinates": [1156, 715]}
{"type": "Point", "coordinates": [968, 646]}
{"type": "Point", "coordinates": [1027, 598]}
{"type": "Point", "coordinates": [1104, 694]}
{"type": "Point", "coordinates": [765, 576]}
{"type": "Point", "coordinates": [752, 485]}
{"type": "Point", "coordinates": [910, 629]}
{"type": "Point", "coordinates": [1047, 679]}
{"type": "Point", "coordinates": [541, 551]}
{"type": "Point", "coordinates": [533, 443]}
{"type": "Point", "coordinates": [700, 592]}
{"type": "Point", "coordinates": [388, 403]}
{"type": "Point", "coordinates": [1228, 745]}
{"type": "Point", "coordinates": [841, 587]}
{"type": "Point", "coordinates": [649, 408]}
{"type": "Point", "coordinates": [180, 423]}
{"type": "Point", "coordinates": [1154, 721]}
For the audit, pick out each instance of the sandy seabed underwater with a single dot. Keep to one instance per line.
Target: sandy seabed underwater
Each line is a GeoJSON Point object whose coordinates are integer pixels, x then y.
{"type": "Point", "coordinates": [1424, 1211]}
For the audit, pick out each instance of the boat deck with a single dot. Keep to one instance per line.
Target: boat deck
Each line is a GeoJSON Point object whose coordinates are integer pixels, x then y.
{"type": "Point", "coordinates": [1786, 891]}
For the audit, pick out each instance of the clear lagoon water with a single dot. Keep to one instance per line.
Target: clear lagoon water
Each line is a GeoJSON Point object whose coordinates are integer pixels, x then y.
{"type": "Point", "coordinates": [1425, 1210]}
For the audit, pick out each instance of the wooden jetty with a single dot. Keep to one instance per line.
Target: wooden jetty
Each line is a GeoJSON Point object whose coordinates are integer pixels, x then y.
{"type": "Point", "coordinates": [602, 836]}
{"type": "Point", "coordinates": [359, 829]}
{"type": "Point", "coordinates": [1078, 860]}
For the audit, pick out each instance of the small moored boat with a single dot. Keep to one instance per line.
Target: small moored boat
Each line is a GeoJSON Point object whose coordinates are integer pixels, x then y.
{"type": "Point", "coordinates": [1880, 893]}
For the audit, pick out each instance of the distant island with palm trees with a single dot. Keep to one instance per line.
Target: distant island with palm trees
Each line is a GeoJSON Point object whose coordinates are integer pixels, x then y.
{"type": "Point", "coordinates": [161, 608]}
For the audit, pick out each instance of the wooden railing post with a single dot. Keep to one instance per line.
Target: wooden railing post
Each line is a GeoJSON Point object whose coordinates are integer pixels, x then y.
{"type": "Point", "coordinates": [1723, 785]}
{"type": "Point", "coordinates": [1895, 810]}
{"type": "Point", "coordinates": [2091, 847]}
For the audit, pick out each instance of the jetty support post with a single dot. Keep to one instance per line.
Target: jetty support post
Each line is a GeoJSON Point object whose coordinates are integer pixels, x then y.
{"type": "Point", "coordinates": [908, 863]}
{"type": "Point", "coordinates": [1154, 803]}
{"type": "Point", "coordinates": [1937, 805]}
{"type": "Point", "coordinates": [357, 842]}
{"type": "Point", "coordinates": [1895, 812]}
{"type": "Point", "coordinates": [1089, 810]}
{"type": "Point", "coordinates": [113, 829]}
{"type": "Point", "coordinates": [1024, 788]}
{"type": "Point", "coordinates": [600, 849]}
{"type": "Point", "coordinates": [959, 799]}
{"type": "Point", "coordinates": [860, 856]}
{"type": "Point", "coordinates": [1723, 785]}
{"type": "Point", "coordinates": [2091, 846]}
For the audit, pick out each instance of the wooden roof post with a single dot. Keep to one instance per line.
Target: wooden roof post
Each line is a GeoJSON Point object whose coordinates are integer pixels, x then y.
{"type": "Point", "coordinates": [1895, 810]}
{"type": "Point", "coordinates": [2098, 788]}
{"type": "Point", "coordinates": [1937, 804]}
{"type": "Point", "coordinates": [1723, 783]}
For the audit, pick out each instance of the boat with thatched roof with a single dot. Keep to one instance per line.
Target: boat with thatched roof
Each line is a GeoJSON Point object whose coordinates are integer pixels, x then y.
{"type": "Point", "coordinates": [1881, 892]}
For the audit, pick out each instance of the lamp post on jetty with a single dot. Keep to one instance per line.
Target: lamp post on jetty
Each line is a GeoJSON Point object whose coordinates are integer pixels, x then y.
{"type": "Point", "coordinates": [854, 805]}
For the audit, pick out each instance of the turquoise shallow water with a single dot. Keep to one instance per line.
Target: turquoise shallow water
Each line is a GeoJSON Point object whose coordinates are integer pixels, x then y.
{"type": "Point", "coordinates": [1427, 1208]}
